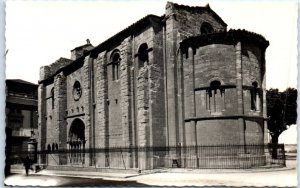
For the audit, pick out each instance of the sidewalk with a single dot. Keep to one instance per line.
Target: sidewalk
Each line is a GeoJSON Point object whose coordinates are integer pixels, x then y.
{"type": "Point", "coordinates": [291, 165]}
{"type": "Point", "coordinates": [77, 174]}
{"type": "Point", "coordinates": [278, 177]}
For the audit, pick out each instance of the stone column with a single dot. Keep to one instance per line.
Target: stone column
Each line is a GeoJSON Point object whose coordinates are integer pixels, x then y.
{"type": "Point", "coordinates": [45, 71]}
{"type": "Point", "coordinates": [192, 106]}
{"type": "Point", "coordinates": [264, 98]}
{"type": "Point", "coordinates": [59, 114]}
{"type": "Point", "coordinates": [42, 129]}
{"type": "Point", "coordinates": [143, 115]}
{"type": "Point", "coordinates": [239, 90]}
{"type": "Point", "coordinates": [86, 96]}
{"type": "Point", "coordinates": [125, 91]}
{"type": "Point", "coordinates": [101, 129]}
{"type": "Point", "coordinates": [171, 46]}
{"type": "Point", "coordinates": [125, 84]}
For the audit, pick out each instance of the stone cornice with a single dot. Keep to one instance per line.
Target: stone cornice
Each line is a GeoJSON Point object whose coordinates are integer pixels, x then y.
{"type": "Point", "coordinates": [225, 117]}
{"type": "Point", "coordinates": [229, 37]}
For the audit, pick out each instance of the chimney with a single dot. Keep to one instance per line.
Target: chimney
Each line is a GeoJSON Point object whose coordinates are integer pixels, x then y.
{"type": "Point", "coordinates": [80, 50]}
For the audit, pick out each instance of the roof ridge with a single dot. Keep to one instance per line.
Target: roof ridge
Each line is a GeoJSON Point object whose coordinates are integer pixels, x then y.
{"type": "Point", "coordinates": [140, 21]}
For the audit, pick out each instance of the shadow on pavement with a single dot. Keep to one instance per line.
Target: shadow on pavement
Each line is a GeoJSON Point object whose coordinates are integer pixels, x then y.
{"type": "Point", "coordinates": [101, 182]}
{"type": "Point", "coordinates": [62, 181]}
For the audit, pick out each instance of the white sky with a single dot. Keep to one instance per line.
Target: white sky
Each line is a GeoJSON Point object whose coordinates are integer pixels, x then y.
{"type": "Point", "coordinates": [40, 32]}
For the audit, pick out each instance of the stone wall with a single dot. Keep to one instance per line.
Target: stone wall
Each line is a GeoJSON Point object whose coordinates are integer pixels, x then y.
{"type": "Point", "coordinates": [181, 22]}
{"type": "Point", "coordinates": [189, 20]}
{"type": "Point", "coordinates": [162, 100]}
{"type": "Point", "coordinates": [234, 122]}
{"type": "Point", "coordinates": [101, 115]}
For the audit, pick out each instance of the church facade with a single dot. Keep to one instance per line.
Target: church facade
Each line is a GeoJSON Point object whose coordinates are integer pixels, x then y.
{"type": "Point", "coordinates": [180, 79]}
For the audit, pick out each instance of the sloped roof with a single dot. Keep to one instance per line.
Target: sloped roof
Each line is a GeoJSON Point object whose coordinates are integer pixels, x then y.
{"type": "Point", "coordinates": [119, 37]}
{"type": "Point", "coordinates": [132, 29]}
{"type": "Point", "coordinates": [20, 81]}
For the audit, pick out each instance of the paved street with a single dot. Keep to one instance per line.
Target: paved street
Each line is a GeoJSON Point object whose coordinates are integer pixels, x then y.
{"type": "Point", "coordinates": [47, 180]}
{"type": "Point", "coordinates": [221, 178]}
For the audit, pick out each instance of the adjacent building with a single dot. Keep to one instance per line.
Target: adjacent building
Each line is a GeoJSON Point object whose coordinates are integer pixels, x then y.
{"type": "Point", "coordinates": [181, 79]}
{"type": "Point", "coordinates": [21, 119]}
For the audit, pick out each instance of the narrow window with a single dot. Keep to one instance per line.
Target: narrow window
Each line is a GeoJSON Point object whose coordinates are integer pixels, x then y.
{"type": "Point", "coordinates": [52, 98]}
{"type": "Point", "coordinates": [143, 54]}
{"type": "Point", "coordinates": [215, 99]}
{"type": "Point", "coordinates": [254, 97]}
{"type": "Point", "coordinates": [115, 61]}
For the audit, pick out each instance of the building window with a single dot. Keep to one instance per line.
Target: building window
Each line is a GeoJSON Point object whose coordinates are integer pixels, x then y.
{"type": "Point", "coordinates": [215, 97]}
{"type": "Point", "coordinates": [52, 98]}
{"type": "Point", "coordinates": [15, 118]}
{"type": "Point", "coordinates": [143, 55]}
{"type": "Point", "coordinates": [254, 97]}
{"type": "Point", "coordinates": [115, 61]}
{"type": "Point", "coordinates": [206, 28]}
{"type": "Point", "coordinates": [77, 91]}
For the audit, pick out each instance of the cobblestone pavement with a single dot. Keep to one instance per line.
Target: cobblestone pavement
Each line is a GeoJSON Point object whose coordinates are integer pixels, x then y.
{"type": "Point", "coordinates": [251, 178]}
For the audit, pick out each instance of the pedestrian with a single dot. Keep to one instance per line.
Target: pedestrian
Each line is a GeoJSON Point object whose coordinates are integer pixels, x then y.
{"type": "Point", "coordinates": [27, 164]}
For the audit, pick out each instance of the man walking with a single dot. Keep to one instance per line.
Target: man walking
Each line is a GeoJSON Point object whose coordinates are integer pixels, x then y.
{"type": "Point", "coordinates": [27, 164]}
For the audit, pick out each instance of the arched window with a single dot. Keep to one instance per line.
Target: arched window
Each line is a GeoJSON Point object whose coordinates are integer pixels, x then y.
{"type": "Point", "coordinates": [206, 28]}
{"type": "Point", "coordinates": [115, 61]}
{"type": "Point", "coordinates": [143, 54]}
{"type": "Point", "coordinates": [215, 99]}
{"type": "Point", "coordinates": [52, 98]}
{"type": "Point", "coordinates": [254, 97]}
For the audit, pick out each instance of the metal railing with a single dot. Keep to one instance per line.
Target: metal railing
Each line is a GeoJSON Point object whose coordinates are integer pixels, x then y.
{"type": "Point", "coordinates": [195, 157]}
{"type": "Point", "coordinates": [222, 157]}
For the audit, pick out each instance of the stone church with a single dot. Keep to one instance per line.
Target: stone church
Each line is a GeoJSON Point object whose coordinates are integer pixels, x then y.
{"type": "Point", "coordinates": [181, 79]}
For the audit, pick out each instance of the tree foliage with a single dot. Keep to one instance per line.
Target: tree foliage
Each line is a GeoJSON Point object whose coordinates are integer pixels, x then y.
{"type": "Point", "coordinates": [281, 111]}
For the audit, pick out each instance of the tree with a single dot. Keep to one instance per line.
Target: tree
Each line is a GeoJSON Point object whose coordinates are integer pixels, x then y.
{"type": "Point", "coordinates": [281, 111]}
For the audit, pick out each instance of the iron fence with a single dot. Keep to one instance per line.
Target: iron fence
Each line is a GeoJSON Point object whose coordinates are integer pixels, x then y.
{"type": "Point", "coordinates": [195, 157]}
{"type": "Point", "coordinates": [222, 157]}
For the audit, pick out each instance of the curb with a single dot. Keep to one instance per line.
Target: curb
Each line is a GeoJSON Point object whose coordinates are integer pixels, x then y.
{"type": "Point", "coordinates": [190, 171]}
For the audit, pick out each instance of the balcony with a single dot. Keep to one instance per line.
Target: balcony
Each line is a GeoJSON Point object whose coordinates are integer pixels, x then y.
{"type": "Point", "coordinates": [23, 132]}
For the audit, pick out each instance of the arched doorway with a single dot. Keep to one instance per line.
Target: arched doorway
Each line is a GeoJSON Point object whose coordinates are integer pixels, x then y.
{"type": "Point", "coordinates": [76, 142]}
